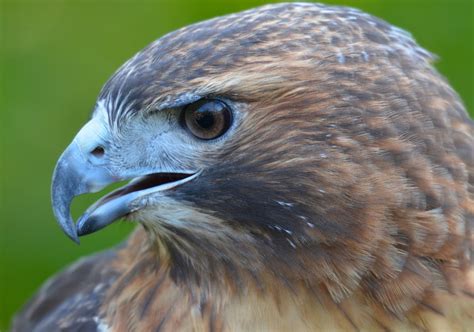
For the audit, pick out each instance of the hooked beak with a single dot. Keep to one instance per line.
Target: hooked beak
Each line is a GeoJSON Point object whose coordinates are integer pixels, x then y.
{"type": "Point", "coordinates": [75, 174]}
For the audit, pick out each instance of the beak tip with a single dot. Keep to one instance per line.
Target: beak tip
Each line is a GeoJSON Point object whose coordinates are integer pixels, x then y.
{"type": "Point", "coordinates": [72, 234]}
{"type": "Point", "coordinates": [76, 240]}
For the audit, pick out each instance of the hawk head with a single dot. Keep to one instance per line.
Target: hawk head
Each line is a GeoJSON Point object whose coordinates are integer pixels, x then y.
{"type": "Point", "coordinates": [296, 142]}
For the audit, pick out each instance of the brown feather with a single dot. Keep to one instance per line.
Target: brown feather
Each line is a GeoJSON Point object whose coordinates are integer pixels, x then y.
{"type": "Point", "coordinates": [345, 201]}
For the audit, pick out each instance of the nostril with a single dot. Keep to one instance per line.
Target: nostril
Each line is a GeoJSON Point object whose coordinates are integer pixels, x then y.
{"type": "Point", "coordinates": [98, 152]}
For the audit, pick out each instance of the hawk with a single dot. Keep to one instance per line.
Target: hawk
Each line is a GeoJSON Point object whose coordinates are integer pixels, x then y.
{"type": "Point", "coordinates": [292, 167]}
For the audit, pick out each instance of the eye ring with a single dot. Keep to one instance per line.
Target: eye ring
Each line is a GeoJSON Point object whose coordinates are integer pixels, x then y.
{"type": "Point", "coordinates": [206, 119]}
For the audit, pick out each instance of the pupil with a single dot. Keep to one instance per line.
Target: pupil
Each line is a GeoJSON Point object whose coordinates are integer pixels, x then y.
{"type": "Point", "coordinates": [205, 120]}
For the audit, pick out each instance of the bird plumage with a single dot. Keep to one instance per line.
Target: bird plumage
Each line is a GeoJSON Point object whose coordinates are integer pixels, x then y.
{"type": "Point", "coordinates": [342, 198]}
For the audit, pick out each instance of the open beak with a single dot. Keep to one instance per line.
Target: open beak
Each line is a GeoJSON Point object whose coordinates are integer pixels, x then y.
{"type": "Point", "coordinates": [75, 175]}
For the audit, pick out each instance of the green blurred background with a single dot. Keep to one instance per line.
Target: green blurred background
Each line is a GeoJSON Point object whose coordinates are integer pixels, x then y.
{"type": "Point", "coordinates": [54, 58]}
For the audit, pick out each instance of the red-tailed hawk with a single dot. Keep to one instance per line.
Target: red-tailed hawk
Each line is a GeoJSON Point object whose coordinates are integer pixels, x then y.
{"type": "Point", "coordinates": [293, 167]}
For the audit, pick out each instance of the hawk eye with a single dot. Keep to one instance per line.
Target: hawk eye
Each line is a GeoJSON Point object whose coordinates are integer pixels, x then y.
{"type": "Point", "coordinates": [207, 119]}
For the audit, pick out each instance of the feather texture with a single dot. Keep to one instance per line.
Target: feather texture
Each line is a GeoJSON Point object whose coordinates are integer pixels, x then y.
{"type": "Point", "coordinates": [344, 201]}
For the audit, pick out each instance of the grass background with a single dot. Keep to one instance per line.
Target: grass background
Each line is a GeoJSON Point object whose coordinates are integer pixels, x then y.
{"type": "Point", "coordinates": [54, 58]}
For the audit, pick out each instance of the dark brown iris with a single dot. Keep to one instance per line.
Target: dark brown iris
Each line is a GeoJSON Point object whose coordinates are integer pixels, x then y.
{"type": "Point", "coordinates": [207, 119]}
